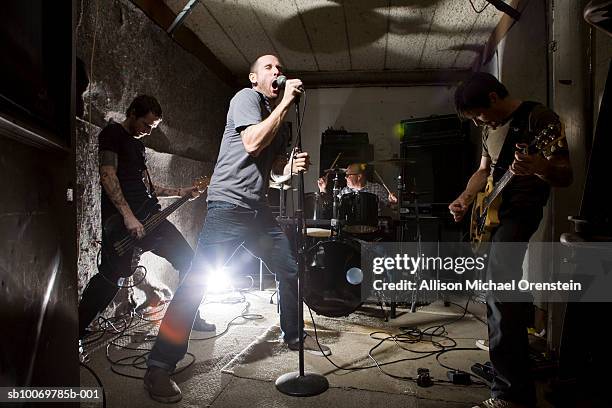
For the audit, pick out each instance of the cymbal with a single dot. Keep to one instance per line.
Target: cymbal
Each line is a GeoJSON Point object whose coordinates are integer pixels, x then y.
{"type": "Point", "coordinates": [278, 186]}
{"type": "Point", "coordinates": [395, 162]}
{"type": "Point", "coordinates": [335, 169]}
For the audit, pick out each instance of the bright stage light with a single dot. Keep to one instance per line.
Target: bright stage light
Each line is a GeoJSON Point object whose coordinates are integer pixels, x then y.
{"type": "Point", "coordinates": [218, 281]}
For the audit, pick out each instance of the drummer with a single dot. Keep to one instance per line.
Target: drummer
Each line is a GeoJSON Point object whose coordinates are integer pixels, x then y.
{"type": "Point", "coordinates": [356, 181]}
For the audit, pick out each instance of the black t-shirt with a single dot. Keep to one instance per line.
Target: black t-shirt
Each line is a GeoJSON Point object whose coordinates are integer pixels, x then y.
{"type": "Point", "coordinates": [526, 122]}
{"type": "Point", "coordinates": [130, 166]}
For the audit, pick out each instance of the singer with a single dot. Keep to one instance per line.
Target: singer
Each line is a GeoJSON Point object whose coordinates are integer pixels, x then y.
{"type": "Point", "coordinates": [252, 150]}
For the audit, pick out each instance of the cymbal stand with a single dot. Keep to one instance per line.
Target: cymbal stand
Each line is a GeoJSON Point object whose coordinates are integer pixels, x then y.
{"type": "Point", "coordinates": [281, 204]}
{"type": "Point", "coordinates": [418, 240]}
{"type": "Point", "coordinates": [336, 194]}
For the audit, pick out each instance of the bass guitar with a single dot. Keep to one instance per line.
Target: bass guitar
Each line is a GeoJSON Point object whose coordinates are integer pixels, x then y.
{"type": "Point", "coordinates": [149, 216]}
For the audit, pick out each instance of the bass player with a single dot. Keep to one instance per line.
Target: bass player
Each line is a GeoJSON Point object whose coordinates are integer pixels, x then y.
{"type": "Point", "coordinates": [126, 185]}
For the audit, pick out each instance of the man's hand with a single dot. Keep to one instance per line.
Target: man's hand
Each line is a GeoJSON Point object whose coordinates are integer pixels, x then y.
{"type": "Point", "coordinates": [322, 183]}
{"type": "Point", "coordinates": [528, 164]}
{"type": "Point", "coordinates": [458, 208]}
{"type": "Point", "coordinates": [135, 228]}
{"type": "Point", "coordinates": [293, 89]}
{"type": "Point", "coordinates": [392, 198]}
{"type": "Point", "coordinates": [190, 190]}
{"type": "Point", "coordinates": [300, 162]}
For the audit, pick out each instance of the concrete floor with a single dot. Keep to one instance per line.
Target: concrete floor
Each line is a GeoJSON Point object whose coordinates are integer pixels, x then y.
{"type": "Point", "coordinates": [205, 385]}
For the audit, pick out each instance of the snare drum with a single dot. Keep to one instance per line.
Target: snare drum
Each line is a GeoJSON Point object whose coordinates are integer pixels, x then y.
{"type": "Point", "coordinates": [359, 212]}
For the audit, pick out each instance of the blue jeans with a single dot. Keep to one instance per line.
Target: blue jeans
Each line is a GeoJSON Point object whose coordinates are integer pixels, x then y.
{"type": "Point", "coordinates": [225, 228]}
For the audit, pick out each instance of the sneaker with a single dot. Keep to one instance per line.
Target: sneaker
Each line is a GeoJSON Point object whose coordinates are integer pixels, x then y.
{"type": "Point", "coordinates": [498, 403]}
{"type": "Point", "coordinates": [161, 387]}
{"type": "Point", "coordinates": [483, 344]}
{"type": "Point", "coordinates": [202, 325]}
{"type": "Point", "coordinates": [311, 346]}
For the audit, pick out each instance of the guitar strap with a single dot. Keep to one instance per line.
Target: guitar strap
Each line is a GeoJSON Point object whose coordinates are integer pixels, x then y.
{"type": "Point", "coordinates": [151, 189]}
{"type": "Point", "coordinates": [518, 132]}
{"type": "Point", "coordinates": [156, 206]}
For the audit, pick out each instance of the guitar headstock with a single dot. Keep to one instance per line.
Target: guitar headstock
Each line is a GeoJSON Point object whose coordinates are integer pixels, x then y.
{"type": "Point", "coordinates": [201, 183]}
{"type": "Point", "coordinates": [549, 139]}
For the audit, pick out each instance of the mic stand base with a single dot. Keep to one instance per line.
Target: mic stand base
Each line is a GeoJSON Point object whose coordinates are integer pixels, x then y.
{"type": "Point", "coordinates": [307, 385]}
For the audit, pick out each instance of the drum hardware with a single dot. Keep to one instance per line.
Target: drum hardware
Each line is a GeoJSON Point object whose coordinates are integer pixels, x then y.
{"type": "Point", "coordinates": [282, 187]}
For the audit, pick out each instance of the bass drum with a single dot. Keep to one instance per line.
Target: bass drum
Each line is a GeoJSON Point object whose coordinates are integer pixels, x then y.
{"type": "Point", "coordinates": [331, 266]}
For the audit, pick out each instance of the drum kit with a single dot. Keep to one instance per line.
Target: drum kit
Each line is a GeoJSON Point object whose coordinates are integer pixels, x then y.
{"type": "Point", "coordinates": [336, 225]}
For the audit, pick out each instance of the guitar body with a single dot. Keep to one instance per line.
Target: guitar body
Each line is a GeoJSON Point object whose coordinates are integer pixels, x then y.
{"type": "Point", "coordinates": [485, 210]}
{"type": "Point", "coordinates": [484, 218]}
{"type": "Point", "coordinates": [114, 229]}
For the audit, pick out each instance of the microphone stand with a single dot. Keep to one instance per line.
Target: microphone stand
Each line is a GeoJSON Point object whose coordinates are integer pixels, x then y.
{"type": "Point", "coordinates": [301, 383]}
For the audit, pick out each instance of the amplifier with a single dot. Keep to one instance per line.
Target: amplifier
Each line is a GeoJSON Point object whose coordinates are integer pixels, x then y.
{"type": "Point", "coordinates": [433, 129]}
{"type": "Point", "coordinates": [333, 136]}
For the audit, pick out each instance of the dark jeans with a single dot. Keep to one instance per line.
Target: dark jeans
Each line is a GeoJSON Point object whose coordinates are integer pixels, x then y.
{"type": "Point", "coordinates": [508, 320]}
{"type": "Point", "coordinates": [165, 241]}
{"type": "Point", "coordinates": [226, 227]}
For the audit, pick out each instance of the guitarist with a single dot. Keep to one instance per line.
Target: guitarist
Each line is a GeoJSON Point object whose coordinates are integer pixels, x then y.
{"type": "Point", "coordinates": [125, 187]}
{"type": "Point", "coordinates": [508, 125]}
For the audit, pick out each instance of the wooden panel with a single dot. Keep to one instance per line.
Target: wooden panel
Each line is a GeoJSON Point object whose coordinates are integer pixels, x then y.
{"type": "Point", "coordinates": [409, 30]}
{"type": "Point", "coordinates": [283, 26]}
{"type": "Point", "coordinates": [452, 22]}
{"type": "Point", "coordinates": [326, 29]}
{"type": "Point", "coordinates": [367, 33]}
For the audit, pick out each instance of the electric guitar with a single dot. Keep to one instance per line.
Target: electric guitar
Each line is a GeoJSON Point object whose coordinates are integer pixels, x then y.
{"type": "Point", "coordinates": [150, 217]}
{"type": "Point", "coordinates": [485, 209]}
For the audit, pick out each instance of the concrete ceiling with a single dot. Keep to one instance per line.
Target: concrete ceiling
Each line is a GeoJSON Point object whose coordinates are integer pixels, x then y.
{"type": "Point", "coordinates": [334, 41]}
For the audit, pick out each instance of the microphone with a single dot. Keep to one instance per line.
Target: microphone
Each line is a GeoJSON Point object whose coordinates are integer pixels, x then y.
{"type": "Point", "coordinates": [281, 81]}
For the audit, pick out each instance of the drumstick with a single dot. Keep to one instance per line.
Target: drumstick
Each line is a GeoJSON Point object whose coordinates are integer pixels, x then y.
{"type": "Point", "coordinates": [335, 161]}
{"type": "Point", "coordinates": [382, 181]}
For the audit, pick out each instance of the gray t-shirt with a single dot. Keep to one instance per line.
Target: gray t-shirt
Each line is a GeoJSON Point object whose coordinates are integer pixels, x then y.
{"type": "Point", "coordinates": [240, 178]}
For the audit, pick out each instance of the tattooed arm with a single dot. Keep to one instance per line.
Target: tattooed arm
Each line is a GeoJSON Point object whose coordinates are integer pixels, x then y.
{"type": "Point", "coordinates": [161, 191]}
{"type": "Point", "coordinates": [110, 183]}
{"type": "Point", "coordinates": [175, 191]}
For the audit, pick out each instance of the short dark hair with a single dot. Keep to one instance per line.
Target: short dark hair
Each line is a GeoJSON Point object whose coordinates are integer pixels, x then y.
{"type": "Point", "coordinates": [142, 105]}
{"type": "Point", "coordinates": [473, 93]}
{"type": "Point", "coordinates": [254, 64]}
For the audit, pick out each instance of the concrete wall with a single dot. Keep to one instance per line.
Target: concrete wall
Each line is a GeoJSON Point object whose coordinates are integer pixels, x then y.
{"type": "Point", "coordinates": [374, 110]}
{"type": "Point", "coordinates": [126, 54]}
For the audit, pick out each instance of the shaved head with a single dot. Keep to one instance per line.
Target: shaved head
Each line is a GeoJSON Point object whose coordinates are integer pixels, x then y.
{"type": "Point", "coordinates": [255, 64]}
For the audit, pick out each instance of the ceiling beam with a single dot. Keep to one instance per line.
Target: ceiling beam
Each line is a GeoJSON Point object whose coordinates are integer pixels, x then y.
{"type": "Point", "coordinates": [163, 16]}
{"type": "Point", "coordinates": [341, 79]}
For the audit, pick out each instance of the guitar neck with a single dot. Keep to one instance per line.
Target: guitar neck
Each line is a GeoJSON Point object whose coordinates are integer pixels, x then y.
{"type": "Point", "coordinates": [498, 187]}
{"type": "Point", "coordinates": [165, 213]}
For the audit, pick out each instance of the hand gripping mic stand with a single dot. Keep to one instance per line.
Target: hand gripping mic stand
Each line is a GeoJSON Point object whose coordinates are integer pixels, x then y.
{"type": "Point", "coordinates": [300, 383]}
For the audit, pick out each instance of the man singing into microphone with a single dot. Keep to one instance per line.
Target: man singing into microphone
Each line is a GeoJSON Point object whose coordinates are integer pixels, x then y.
{"type": "Point", "coordinates": [252, 149]}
